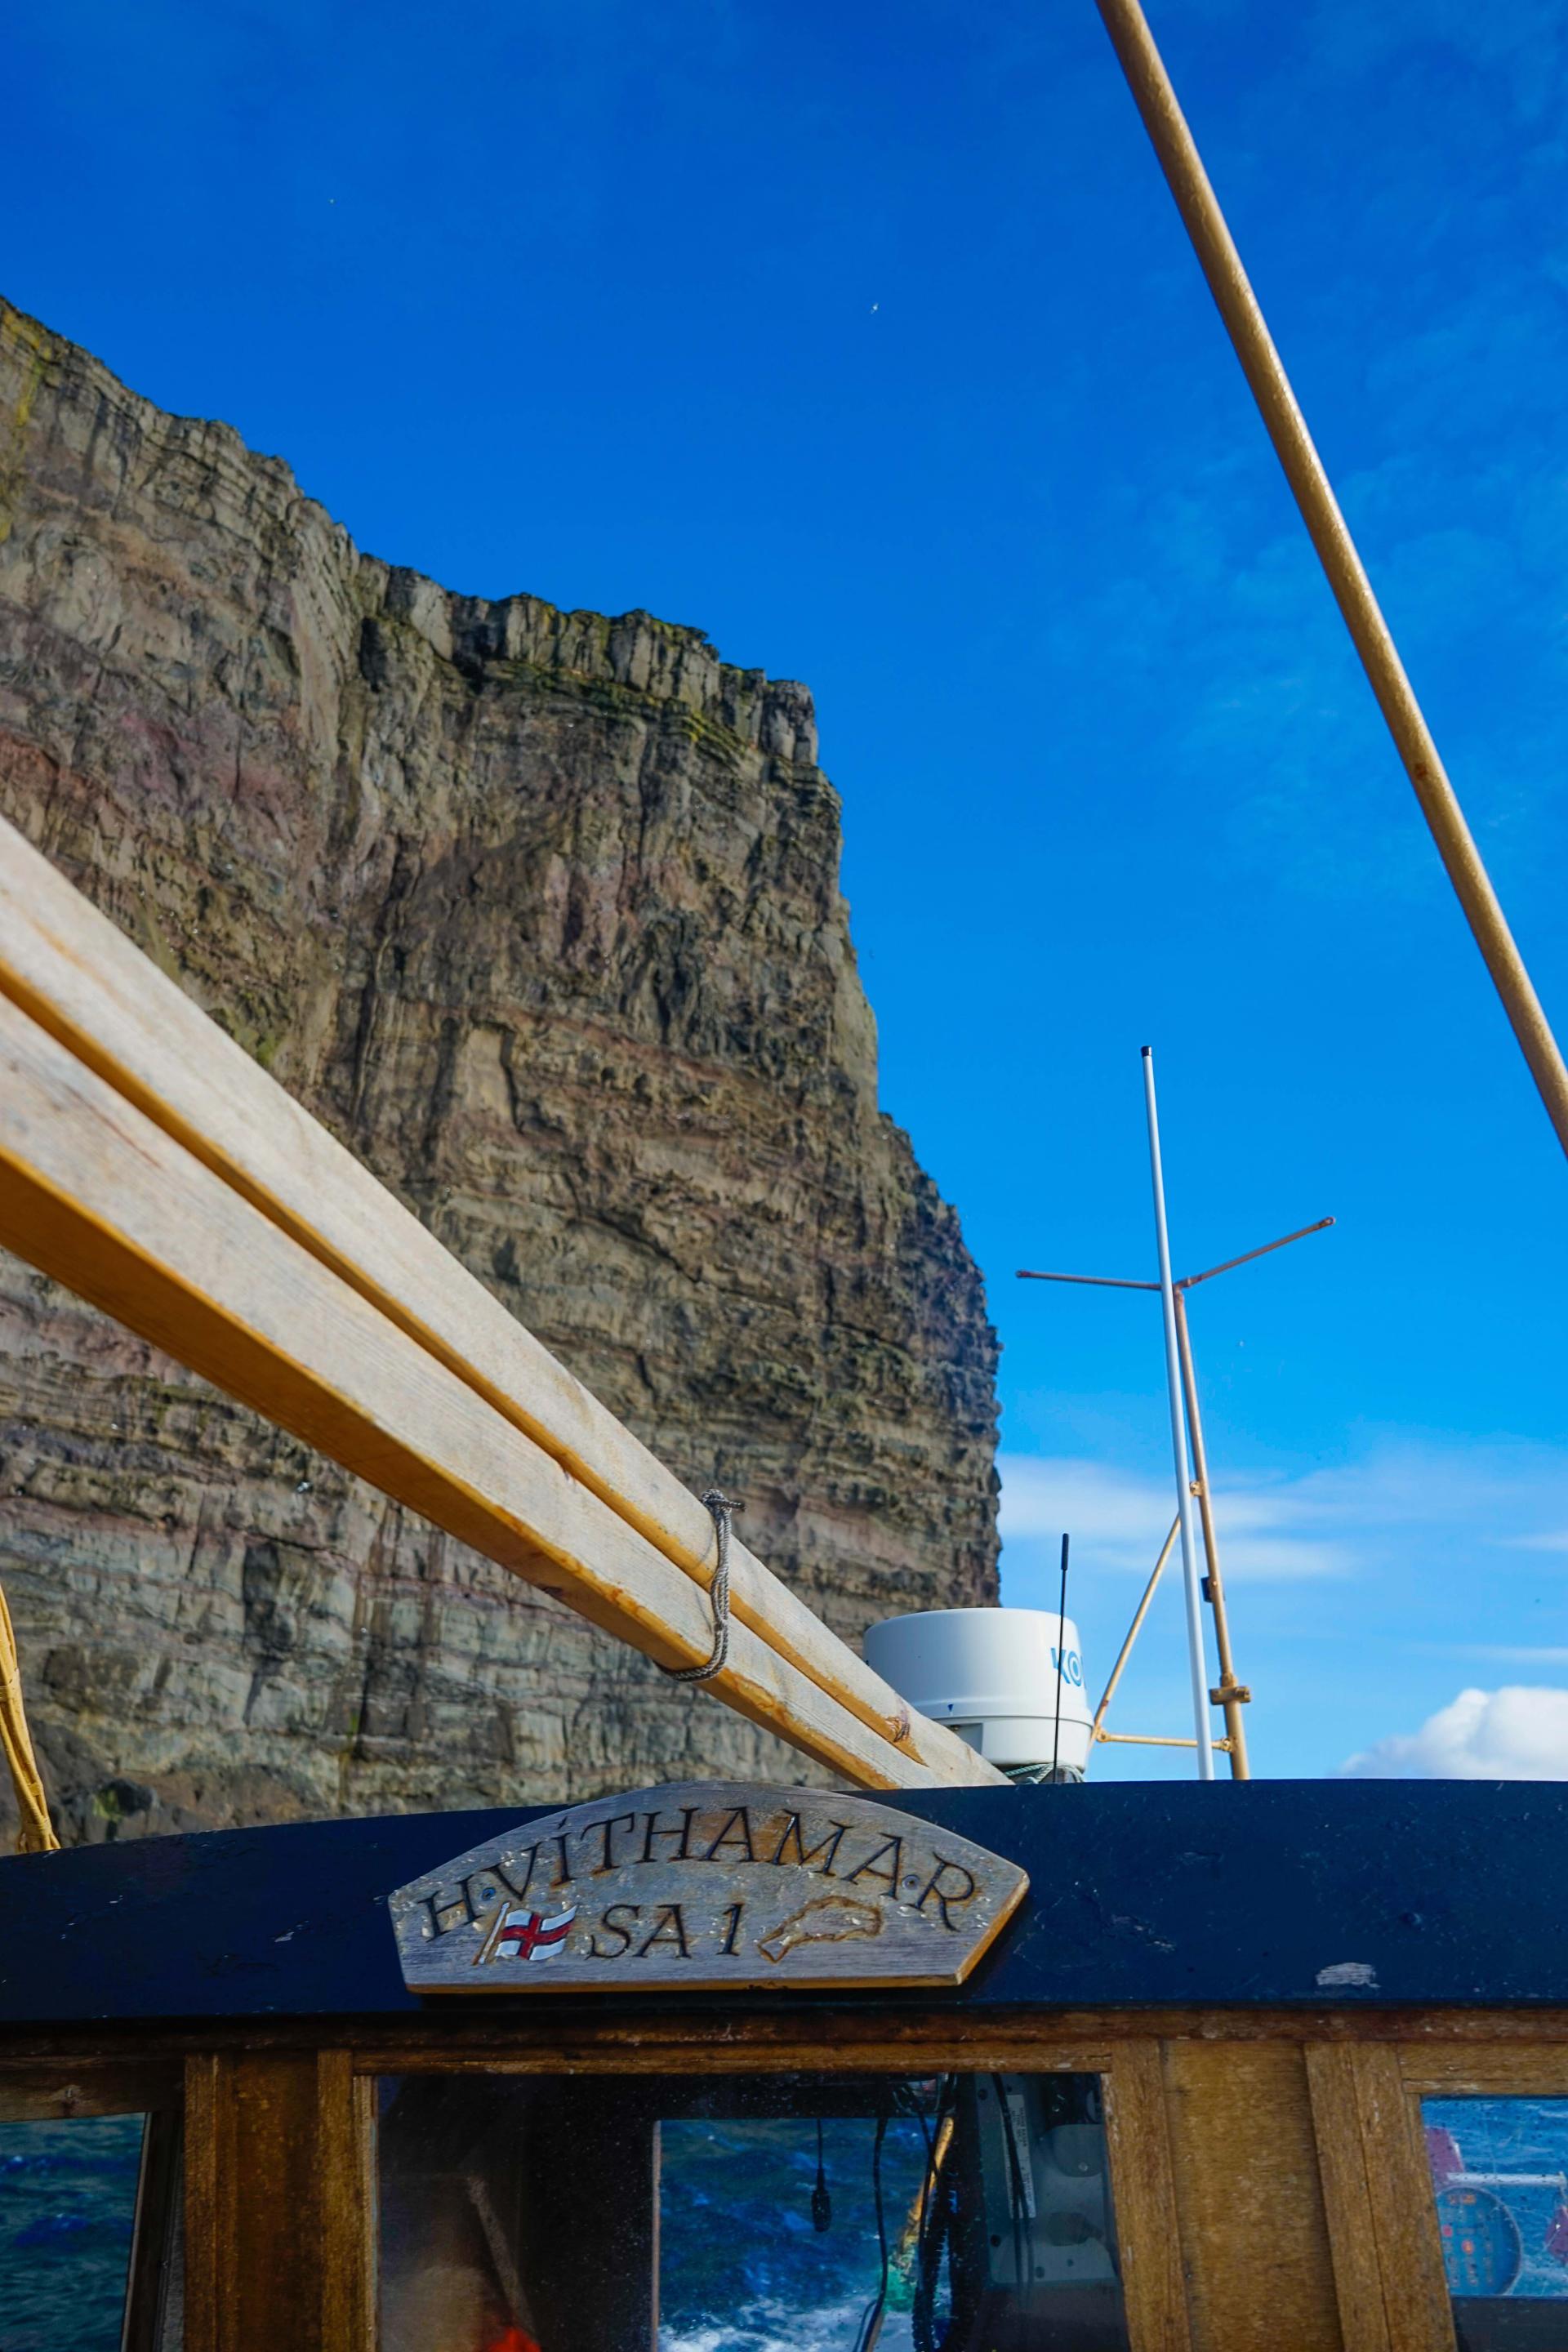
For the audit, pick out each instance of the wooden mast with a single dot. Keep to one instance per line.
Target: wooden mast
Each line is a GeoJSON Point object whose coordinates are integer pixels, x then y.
{"type": "Point", "coordinates": [1172, 141]}
{"type": "Point", "coordinates": [148, 1164]}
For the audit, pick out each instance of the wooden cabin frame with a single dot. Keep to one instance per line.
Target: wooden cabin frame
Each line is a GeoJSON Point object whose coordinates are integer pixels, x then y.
{"type": "Point", "coordinates": [1266, 2167]}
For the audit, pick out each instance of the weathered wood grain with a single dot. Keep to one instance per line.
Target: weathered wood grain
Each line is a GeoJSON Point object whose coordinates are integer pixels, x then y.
{"type": "Point", "coordinates": [95, 1194]}
{"type": "Point", "coordinates": [345, 2154]}
{"type": "Point", "coordinates": [1377, 2193]}
{"type": "Point", "coordinates": [1487, 2070]}
{"type": "Point", "coordinates": [1347, 2199]}
{"type": "Point", "coordinates": [209, 2249]}
{"type": "Point", "coordinates": [1211, 2147]}
{"type": "Point", "coordinates": [76, 974]}
{"type": "Point", "coordinates": [705, 1886]}
{"type": "Point", "coordinates": [1074, 2040]}
{"type": "Point", "coordinates": [1404, 2213]}
{"type": "Point", "coordinates": [1142, 2189]}
{"type": "Point", "coordinates": [253, 2210]}
{"type": "Point", "coordinates": [115, 2087]}
{"type": "Point", "coordinates": [1254, 2232]}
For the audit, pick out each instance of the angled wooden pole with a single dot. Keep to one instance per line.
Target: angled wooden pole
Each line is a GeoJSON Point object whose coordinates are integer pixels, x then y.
{"type": "Point", "coordinates": [34, 1831]}
{"type": "Point", "coordinates": [74, 973]}
{"type": "Point", "coordinates": [94, 1195]}
{"type": "Point", "coordinates": [1133, 1631]}
{"type": "Point", "coordinates": [1221, 264]}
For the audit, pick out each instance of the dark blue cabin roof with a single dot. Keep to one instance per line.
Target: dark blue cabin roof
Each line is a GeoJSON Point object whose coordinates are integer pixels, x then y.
{"type": "Point", "coordinates": [1306, 1892]}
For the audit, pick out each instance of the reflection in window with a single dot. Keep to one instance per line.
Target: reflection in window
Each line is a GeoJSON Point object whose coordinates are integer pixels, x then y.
{"type": "Point", "coordinates": [799, 2213]}
{"type": "Point", "coordinates": [1500, 2176]}
{"type": "Point", "coordinates": [68, 2212]}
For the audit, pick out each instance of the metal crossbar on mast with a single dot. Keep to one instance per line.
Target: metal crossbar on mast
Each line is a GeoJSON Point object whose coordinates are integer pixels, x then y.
{"type": "Point", "coordinates": [1230, 1695]}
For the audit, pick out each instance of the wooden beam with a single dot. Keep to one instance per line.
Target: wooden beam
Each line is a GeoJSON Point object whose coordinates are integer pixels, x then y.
{"type": "Point", "coordinates": [1142, 2185]}
{"type": "Point", "coordinates": [96, 1195]}
{"type": "Point", "coordinates": [76, 975]}
{"type": "Point", "coordinates": [253, 2203]}
{"type": "Point", "coordinates": [1377, 2194]}
{"type": "Point", "coordinates": [346, 2156]}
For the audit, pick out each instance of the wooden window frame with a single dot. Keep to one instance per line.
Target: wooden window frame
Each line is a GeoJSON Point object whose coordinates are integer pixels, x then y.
{"type": "Point", "coordinates": [45, 2092]}
{"type": "Point", "coordinates": [1129, 2067]}
{"type": "Point", "coordinates": [279, 2139]}
{"type": "Point", "coordinates": [1377, 2188]}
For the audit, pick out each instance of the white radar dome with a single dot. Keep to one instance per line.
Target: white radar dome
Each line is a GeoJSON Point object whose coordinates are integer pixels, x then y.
{"type": "Point", "coordinates": [992, 1675]}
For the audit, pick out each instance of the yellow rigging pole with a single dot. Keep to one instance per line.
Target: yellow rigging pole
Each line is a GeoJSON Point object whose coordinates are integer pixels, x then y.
{"type": "Point", "coordinates": [35, 1831]}
{"type": "Point", "coordinates": [1239, 307]}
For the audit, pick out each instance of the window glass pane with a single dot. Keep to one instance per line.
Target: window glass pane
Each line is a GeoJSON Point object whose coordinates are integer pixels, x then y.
{"type": "Point", "coordinates": [1500, 2176]}
{"type": "Point", "coordinates": [952, 2213]}
{"type": "Point", "coordinates": [68, 2209]}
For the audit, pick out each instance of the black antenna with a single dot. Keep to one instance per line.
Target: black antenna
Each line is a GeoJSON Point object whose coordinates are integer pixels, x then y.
{"type": "Point", "coordinates": [1061, 1659]}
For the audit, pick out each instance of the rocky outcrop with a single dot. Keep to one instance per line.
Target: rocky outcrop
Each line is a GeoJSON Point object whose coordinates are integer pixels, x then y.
{"type": "Point", "coordinates": [538, 911]}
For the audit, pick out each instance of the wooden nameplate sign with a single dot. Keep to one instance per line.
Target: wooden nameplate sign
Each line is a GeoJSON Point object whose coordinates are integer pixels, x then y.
{"type": "Point", "coordinates": [702, 1887]}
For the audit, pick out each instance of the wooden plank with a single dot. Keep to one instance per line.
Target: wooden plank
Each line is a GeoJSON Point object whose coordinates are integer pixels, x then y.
{"type": "Point", "coordinates": [870, 2038]}
{"type": "Point", "coordinates": [253, 2212]}
{"type": "Point", "coordinates": [209, 2250]}
{"type": "Point", "coordinates": [737, 2051]}
{"type": "Point", "coordinates": [1488, 2070]}
{"type": "Point", "coordinates": [345, 2142]}
{"type": "Point", "coordinates": [1142, 2190]}
{"type": "Point", "coordinates": [1255, 2237]}
{"type": "Point", "coordinates": [96, 1195]}
{"type": "Point", "coordinates": [66, 2091]}
{"type": "Point", "coordinates": [1075, 2040]}
{"type": "Point", "coordinates": [1377, 2192]}
{"type": "Point", "coordinates": [75, 973]}
{"type": "Point", "coordinates": [1420, 2318]}
{"type": "Point", "coordinates": [269, 2212]}
{"type": "Point", "coordinates": [1347, 2198]}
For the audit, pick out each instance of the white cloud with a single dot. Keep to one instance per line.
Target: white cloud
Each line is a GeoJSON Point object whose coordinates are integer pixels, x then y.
{"type": "Point", "coordinates": [1398, 1500]}
{"type": "Point", "coordinates": [1514, 1734]}
{"type": "Point", "coordinates": [1121, 1519]}
{"type": "Point", "coordinates": [1517, 1654]}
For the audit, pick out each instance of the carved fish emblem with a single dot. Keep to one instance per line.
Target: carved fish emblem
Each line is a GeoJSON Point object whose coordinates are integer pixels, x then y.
{"type": "Point", "coordinates": [830, 1920]}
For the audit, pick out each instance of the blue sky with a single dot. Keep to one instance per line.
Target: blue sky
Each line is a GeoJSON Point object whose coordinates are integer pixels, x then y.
{"type": "Point", "coordinates": [868, 340]}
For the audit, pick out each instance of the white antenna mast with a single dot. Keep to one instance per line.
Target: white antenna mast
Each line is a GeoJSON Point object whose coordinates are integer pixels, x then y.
{"type": "Point", "coordinates": [1197, 1665]}
{"type": "Point", "coordinates": [1231, 1695]}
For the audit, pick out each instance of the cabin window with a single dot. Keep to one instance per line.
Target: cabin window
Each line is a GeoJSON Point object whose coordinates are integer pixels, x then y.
{"type": "Point", "coordinates": [744, 2213]}
{"type": "Point", "coordinates": [85, 2211]}
{"type": "Point", "coordinates": [1500, 2176]}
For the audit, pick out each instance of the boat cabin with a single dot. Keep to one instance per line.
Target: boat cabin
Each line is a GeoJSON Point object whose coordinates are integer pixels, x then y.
{"type": "Point", "coordinates": [948, 2065]}
{"type": "Point", "coordinates": [986, 2069]}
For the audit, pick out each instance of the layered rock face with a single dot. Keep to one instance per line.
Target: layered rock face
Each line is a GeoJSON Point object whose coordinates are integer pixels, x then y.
{"type": "Point", "coordinates": [539, 912]}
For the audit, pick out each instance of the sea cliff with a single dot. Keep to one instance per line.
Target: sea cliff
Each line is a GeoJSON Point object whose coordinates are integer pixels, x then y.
{"type": "Point", "coordinates": [538, 911]}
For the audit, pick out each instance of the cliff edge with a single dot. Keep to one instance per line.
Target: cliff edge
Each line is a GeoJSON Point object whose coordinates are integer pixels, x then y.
{"type": "Point", "coordinates": [539, 912]}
